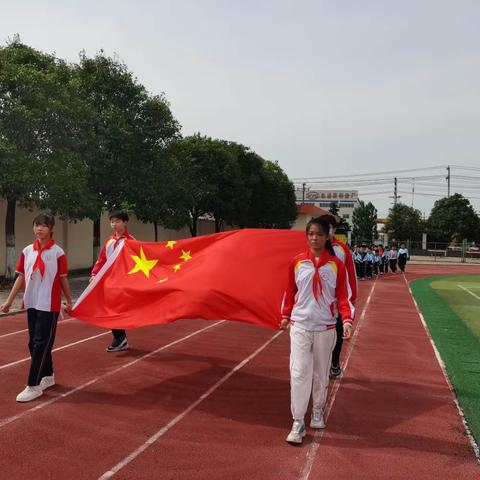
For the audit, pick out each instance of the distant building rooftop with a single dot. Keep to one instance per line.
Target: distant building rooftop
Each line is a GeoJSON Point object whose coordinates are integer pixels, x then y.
{"type": "Point", "coordinates": [314, 211]}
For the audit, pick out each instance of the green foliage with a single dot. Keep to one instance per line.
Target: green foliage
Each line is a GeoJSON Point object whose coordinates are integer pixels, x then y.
{"type": "Point", "coordinates": [231, 184]}
{"type": "Point", "coordinates": [273, 203]}
{"type": "Point", "coordinates": [453, 219]}
{"type": "Point", "coordinates": [343, 227]}
{"type": "Point", "coordinates": [78, 139]}
{"type": "Point", "coordinates": [208, 182]}
{"type": "Point", "coordinates": [38, 125]}
{"type": "Point", "coordinates": [404, 223]}
{"type": "Point", "coordinates": [364, 220]}
{"type": "Point", "coordinates": [112, 99]}
{"type": "Point", "coordinates": [150, 186]}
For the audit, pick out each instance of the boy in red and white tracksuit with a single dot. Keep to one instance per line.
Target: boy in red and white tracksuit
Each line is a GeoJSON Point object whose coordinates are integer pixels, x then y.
{"type": "Point", "coordinates": [317, 285]}
{"type": "Point", "coordinates": [344, 254]}
{"type": "Point", "coordinates": [118, 223]}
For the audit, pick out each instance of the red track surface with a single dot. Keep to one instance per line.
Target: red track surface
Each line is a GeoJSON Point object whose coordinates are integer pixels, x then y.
{"type": "Point", "coordinates": [392, 417]}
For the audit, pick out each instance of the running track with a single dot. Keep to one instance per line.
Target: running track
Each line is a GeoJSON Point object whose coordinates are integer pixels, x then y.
{"type": "Point", "coordinates": [210, 400]}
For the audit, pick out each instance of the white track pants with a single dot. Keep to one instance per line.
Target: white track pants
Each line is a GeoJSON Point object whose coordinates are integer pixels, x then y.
{"type": "Point", "coordinates": [310, 359]}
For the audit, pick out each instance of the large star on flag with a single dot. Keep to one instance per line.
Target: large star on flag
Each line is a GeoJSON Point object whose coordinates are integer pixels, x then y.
{"type": "Point", "coordinates": [142, 264]}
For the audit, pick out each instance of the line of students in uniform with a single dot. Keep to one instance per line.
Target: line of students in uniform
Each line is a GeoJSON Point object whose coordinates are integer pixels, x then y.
{"type": "Point", "coordinates": [375, 260]}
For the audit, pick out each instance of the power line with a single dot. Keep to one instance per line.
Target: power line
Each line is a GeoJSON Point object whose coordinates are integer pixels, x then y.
{"type": "Point", "coordinates": [460, 167]}
{"type": "Point", "coordinates": [372, 181]}
{"type": "Point", "coordinates": [442, 196]}
{"type": "Point", "coordinates": [370, 174]}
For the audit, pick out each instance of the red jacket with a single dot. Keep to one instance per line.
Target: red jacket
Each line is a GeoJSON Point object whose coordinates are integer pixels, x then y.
{"type": "Point", "coordinates": [313, 291]}
{"type": "Point", "coordinates": [108, 248]}
{"type": "Point", "coordinates": [346, 256]}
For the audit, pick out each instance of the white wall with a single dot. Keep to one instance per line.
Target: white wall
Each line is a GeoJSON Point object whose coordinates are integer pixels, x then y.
{"type": "Point", "coordinates": [76, 238]}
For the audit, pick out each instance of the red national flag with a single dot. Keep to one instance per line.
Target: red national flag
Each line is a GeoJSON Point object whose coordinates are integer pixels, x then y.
{"type": "Point", "coordinates": [236, 275]}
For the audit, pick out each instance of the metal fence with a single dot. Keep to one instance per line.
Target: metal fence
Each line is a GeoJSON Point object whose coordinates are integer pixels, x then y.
{"type": "Point", "coordinates": [441, 251]}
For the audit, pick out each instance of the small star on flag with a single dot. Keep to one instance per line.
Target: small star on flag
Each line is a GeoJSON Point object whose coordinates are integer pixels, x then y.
{"type": "Point", "coordinates": [185, 255]}
{"type": "Point", "coordinates": [170, 244]}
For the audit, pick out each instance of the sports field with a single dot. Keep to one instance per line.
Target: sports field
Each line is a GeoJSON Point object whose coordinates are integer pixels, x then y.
{"type": "Point", "coordinates": [451, 308]}
{"type": "Point", "coordinates": [196, 399]}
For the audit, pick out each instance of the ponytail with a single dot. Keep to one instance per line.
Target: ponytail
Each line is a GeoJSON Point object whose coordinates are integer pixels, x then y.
{"type": "Point", "coordinates": [329, 247]}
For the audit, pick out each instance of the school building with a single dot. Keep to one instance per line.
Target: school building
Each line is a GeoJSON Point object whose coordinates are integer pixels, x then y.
{"type": "Point", "coordinates": [346, 200]}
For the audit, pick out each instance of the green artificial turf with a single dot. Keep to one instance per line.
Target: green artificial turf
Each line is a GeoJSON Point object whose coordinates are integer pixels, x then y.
{"type": "Point", "coordinates": [453, 318]}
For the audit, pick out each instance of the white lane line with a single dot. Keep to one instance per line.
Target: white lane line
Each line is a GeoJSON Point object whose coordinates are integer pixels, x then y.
{"type": "Point", "coordinates": [183, 414]}
{"type": "Point", "coordinates": [26, 359]}
{"type": "Point", "coordinates": [467, 290]}
{"type": "Point", "coordinates": [312, 451]}
{"type": "Point", "coordinates": [11, 419]}
{"type": "Point", "coordinates": [441, 363]}
{"type": "Point", "coordinates": [26, 329]}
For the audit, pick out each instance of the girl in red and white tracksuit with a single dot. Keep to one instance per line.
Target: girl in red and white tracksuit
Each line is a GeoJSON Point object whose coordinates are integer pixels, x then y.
{"type": "Point", "coordinates": [317, 282]}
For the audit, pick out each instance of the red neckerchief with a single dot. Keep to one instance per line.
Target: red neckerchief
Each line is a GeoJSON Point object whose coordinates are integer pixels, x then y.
{"type": "Point", "coordinates": [39, 263]}
{"type": "Point", "coordinates": [124, 236]}
{"type": "Point", "coordinates": [317, 282]}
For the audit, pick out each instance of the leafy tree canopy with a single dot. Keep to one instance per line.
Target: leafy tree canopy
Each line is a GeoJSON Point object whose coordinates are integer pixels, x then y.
{"type": "Point", "coordinates": [453, 218]}
{"type": "Point", "coordinates": [404, 223]}
{"type": "Point", "coordinates": [364, 220]}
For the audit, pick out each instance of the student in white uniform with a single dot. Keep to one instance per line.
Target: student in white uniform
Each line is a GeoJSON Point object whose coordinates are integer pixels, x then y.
{"type": "Point", "coordinates": [42, 267]}
{"type": "Point", "coordinates": [317, 281]}
{"type": "Point", "coordinates": [403, 256]}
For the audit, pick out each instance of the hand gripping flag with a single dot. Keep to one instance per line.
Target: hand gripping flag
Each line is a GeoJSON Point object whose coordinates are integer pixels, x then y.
{"type": "Point", "coordinates": [237, 275]}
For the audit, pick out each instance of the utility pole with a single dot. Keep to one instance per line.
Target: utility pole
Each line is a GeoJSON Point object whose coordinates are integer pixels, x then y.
{"type": "Point", "coordinates": [395, 191]}
{"type": "Point", "coordinates": [448, 181]}
{"type": "Point", "coordinates": [413, 190]}
{"type": "Point", "coordinates": [304, 186]}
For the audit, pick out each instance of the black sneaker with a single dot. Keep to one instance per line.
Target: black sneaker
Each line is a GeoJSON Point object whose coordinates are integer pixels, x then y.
{"type": "Point", "coordinates": [118, 345]}
{"type": "Point", "coordinates": [335, 371]}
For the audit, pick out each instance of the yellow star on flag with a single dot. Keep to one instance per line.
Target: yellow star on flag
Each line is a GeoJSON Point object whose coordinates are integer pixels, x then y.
{"type": "Point", "coordinates": [142, 264]}
{"type": "Point", "coordinates": [177, 267]}
{"type": "Point", "coordinates": [185, 255]}
{"type": "Point", "coordinates": [170, 244]}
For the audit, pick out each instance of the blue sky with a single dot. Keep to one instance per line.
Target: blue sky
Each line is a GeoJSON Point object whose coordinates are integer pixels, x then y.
{"type": "Point", "coordinates": [323, 87]}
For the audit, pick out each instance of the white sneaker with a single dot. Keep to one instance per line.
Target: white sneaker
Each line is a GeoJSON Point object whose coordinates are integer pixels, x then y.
{"type": "Point", "coordinates": [297, 433]}
{"type": "Point", "coordinates": [317, 420]}
{"type": "Point", "coordinates": [29, 393]}
{"type": "Point", "coordinates": [47, 382]}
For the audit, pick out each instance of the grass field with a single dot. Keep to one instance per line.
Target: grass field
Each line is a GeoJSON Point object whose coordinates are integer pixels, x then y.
{"type": "Point", "coordinates": [451, 308]}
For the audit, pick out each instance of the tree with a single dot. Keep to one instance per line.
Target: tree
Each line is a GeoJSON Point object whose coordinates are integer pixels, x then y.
{"type": "Point", "coordinates": [151, 186]}
{"type": "Point", "coordinates": [364, 220]}
{"type": "Point", "coordinates": [128, 129]}
{"type": "Point", "coordinates": [273, 202]}
{"type": "Point", "coordinates": [38, 114]}
{"type": "Point", "coordinates": [209, 181]}
{"type": "Point", "coordinates": [250, 172]}
{"type": "Point", "coordinates": [343, 227]}
{"type": "Point", "coordinates": [404, 223]}
{"type": "Point", "coordinates": [453, 219]}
